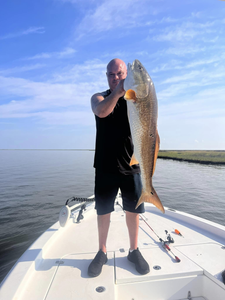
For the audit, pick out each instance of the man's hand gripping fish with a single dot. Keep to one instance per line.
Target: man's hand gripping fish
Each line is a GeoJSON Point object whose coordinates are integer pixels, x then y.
{"type": "Point", "coordinates": [143, 112]}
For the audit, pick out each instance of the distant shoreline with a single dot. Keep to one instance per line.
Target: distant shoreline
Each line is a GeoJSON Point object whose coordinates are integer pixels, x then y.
{"type": "Point", "coordinates": [206, 157]}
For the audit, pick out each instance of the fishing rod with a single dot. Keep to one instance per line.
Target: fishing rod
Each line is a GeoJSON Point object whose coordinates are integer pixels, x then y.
{"type": "Point", "coordinates": [164, 243]}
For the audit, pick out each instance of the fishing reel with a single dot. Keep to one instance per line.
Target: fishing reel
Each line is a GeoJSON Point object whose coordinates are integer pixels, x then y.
{"type": "Point", "coordinates": [169, 237]}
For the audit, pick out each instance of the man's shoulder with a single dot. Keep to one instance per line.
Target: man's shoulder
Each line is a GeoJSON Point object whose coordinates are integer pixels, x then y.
{"type": "Point", "coordinates": [103, 94]}
{"type": "Point", "coordinates": [106, 93]}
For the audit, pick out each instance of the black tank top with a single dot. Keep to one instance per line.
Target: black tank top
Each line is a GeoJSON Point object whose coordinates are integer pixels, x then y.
{"type": "Point", "coordinates": [114, 146]}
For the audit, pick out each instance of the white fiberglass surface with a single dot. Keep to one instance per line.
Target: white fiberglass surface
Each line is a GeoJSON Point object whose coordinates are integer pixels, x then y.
{"type": "Point", "coordinates": [68, 247]}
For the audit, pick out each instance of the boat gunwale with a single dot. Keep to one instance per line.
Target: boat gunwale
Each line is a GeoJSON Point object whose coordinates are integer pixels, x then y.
{"type": "Point", "coordinates": [53, 232]}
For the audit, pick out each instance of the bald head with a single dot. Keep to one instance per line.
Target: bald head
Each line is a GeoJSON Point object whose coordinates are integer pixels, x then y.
{"type": "Point", "coordinates": [116, 71]}
{"type": "Point", "coordinates": [115, 63]}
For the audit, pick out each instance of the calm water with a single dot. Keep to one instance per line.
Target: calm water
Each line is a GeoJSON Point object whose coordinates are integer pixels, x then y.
{"type": "Point", "coordinates": [35, 184]}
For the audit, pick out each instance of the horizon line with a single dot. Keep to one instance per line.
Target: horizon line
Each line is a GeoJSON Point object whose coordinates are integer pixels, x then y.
{"type": "Point", "coordinates": [87, 149]}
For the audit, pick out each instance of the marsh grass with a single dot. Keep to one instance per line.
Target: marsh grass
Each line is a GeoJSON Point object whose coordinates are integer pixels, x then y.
{"type": "Point", "coordinates": [197, 156]}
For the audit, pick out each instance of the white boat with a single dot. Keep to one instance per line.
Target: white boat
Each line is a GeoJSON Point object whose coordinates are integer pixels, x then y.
{"type": "Point", "coordinates": [55, 266]}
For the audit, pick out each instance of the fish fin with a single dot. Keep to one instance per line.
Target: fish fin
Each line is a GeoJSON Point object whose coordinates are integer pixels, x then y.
{"type": "Point", "coordinates": [151, 198]}
{"type": "Point", "coordinates": [157, 143]}
{"type": "Point", "coordinates": [133, 161]}
{"type": "Point", "coordinates": [130, 95]}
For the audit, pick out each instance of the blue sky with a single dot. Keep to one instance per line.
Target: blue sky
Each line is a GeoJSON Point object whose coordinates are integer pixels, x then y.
{"type": "Point", "coordinates": [53, 57]}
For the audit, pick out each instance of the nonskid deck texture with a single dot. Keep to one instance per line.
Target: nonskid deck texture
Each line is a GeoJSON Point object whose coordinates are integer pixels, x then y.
{"type": "Point", "coordinates": [57, 267]}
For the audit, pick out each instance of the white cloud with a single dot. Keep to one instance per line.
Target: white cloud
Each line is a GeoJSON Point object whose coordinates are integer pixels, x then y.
{"type": "Point", "coordinates": [185, 77]}
{"type": "Point", "coordinates": [185, 31]}
{"type": "Point", "coordinates": [182, 90]}
{"type": "Point", "coordinates": [74, 1]}
{"type": "Point", "coordinates": [171, 65]}
{"type": "Point", "coordinates": [196, 14]}
{"type": "Point", "coordinates": [178, 34]}
{"type": "Point", "coordinates": [75, 117]}
{"type": "Point", "coordinates": [21, 69]}
{"type": "Point", "coordinates": [199, 116]}
{"type": "Point", "coordinates": [210, 61]}
{"type": "Point", "coordinates": [167, 20]}
{"type": "Point", "coordinates": [66, 51]}
{"type": "Point", "coordinates": [70, 1]}
{"type": "Point", "coordinates": [40, 95]}
{"type": "Point", "coordinates": [184, 50]}
{"type": "Point", "coordinates": [207, 103]}
{"type": "Point", "coordinates": [207, 76]}
{"type": "Point", "coordinates": [31, 30]}
{"type": "Point", "coordinates": [40, 56]}
{"type": "Point", "coordinates": [61, 54]}
{"type": "Point", "coordinates": [68, 117]}
{"type": "Point", "coordinates": [93, 71]}
{"type": "Point", "coordinates": [114, 14]}
{"type": "Point", "coordinates": [212, 40]}
{"type": "Point", "coordinates": [67, 92]}
{"type": "Point", "coordinates": [34, 30]}
{"type": "Point", "coordinates": [203, 62]}
{"type": "Point", "coordinates": [179, 130]}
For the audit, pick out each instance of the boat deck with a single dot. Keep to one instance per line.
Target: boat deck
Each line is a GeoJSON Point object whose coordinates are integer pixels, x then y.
{"type": "Point", "coordinates": [55, 266]}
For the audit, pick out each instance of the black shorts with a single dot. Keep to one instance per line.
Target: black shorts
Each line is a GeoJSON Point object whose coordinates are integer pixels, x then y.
{"type": "Point", "coordinates": [106, 189]}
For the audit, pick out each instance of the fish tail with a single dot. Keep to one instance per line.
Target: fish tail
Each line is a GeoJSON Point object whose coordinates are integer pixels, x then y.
{"type": "Point", "coordinates": [151, 198]}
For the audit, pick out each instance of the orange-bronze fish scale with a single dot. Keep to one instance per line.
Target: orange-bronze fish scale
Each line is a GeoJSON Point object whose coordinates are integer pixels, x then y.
{"type": "Point", "coordinates": [143, 113]}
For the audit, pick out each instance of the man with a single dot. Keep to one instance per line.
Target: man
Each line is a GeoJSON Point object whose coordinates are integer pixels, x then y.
{"type": "Point", "coordinates": [113, 152]}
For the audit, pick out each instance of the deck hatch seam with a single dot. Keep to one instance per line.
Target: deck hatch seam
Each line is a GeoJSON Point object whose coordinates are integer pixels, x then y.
{"type": "Point", "coordinates": [50, 284]}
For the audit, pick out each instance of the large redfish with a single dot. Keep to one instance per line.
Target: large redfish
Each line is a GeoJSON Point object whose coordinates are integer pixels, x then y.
{"type": "Point", "coordinates": [143, 113]}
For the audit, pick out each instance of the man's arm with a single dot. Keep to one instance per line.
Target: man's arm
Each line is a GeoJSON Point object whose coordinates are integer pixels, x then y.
{"type": "Point", "coordinates": [101, 106]}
